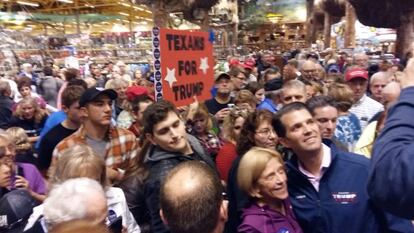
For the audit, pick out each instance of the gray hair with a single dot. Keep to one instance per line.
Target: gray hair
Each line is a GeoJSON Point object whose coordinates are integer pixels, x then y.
{"type": "Point", "coordinates": [4, 88]}
{"type": "Point", "coordinates": [380, 75]}
{"type": "Point", "coordinates": [26, 65]}
{"type": "Point", "coordinates": [117, 82]}
{"type": "Point", "coordinates": [69, 200]}
{"type": "Point", "coordinates": [294, 84]}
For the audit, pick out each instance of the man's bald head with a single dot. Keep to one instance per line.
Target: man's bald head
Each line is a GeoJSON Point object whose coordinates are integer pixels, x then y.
{"type": "Point", "coordinates": [191, 198]}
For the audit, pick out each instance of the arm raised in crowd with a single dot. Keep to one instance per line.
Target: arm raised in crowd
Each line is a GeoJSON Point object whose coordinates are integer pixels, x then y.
{"type": "Point", "coordinates": [391, 182]}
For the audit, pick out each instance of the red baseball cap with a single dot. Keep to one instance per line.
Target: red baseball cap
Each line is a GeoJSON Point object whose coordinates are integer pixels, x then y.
{"type": "Point", "coordinates": [356, 73]}
{"type": "Point", "coordinates": [134, 91]}
{"type": "Point", "coordinates": [234, 62]}
{"type": "Point", "coordinates": [249, 64]}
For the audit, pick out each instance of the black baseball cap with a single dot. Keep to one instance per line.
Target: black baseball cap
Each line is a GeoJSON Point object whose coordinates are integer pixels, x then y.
{"type": "Point", "coordinates": [273, 85]}
{"type": "Point", "coordinates": [15, 208]}
{"type": "Point", "coordinates": [91, 93]}
{"type": "Point", "coordinates": [221, 76]}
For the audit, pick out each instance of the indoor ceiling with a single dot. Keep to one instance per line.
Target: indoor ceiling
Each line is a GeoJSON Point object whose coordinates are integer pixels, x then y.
{"type": "Point", "coordinates": [101, 14]}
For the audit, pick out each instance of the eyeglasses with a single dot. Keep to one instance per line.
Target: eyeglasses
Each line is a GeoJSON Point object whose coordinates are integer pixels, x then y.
{"type": "Point", "coordinates": [266, 132]}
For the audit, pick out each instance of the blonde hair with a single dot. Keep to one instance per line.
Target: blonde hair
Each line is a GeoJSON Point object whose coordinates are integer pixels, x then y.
{"type": "Point", "coordinates": [79, 161]}
{"type": "Point", "coordinates": [116, 83]}
{"type": "Point", "coordinates": [252, 165]}
{"type": "Point", "coordinates": [245, 96]}
{"type": "Point", "coordinates": [39, 113]}
{"type": "Point", "coordinates": [20, 139]}
{"type": "Point", "coordinates": [343, 96]}
{"type": "Point", "coordinates": [318, 88]}
{"type": "Point", "coordinates": [230, 120]}
{"type": "Point", "coordinates": [202, 112]}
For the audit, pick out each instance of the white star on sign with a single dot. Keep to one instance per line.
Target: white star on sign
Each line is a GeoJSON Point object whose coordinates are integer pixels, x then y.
{"type": "Point", "coordinates": [204, 64]}
{"type": "Point", "coordinates": [170, 78]}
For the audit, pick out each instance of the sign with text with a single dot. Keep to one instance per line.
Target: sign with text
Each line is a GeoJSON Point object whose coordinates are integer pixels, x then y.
{"type": "Point", "coordinates": [183, 64]}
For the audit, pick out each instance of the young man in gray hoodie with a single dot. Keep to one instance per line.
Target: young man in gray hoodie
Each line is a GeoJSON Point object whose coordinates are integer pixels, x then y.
{"type": "Point", "coordinates": [170, 145]}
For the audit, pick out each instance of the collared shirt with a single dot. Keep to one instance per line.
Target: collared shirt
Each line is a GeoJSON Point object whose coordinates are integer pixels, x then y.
{"type": "Point", "coordinates": [120, 149]}
{"type": "Point", "coordinates": [326, 162]}
{"type": "Point", "coordinates": [365, 109]}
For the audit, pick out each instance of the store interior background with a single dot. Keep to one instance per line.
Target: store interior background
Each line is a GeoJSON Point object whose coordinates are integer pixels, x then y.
{"type": "Point", "coordinates": [102, 30]}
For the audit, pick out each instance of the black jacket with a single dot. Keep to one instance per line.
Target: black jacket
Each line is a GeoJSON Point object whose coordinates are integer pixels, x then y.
{"type": "Point", "coordinates": [133, 187]}
{"type": "Point", "coordinates": [159, 163]}
{"type": "Point", "coordinates": [6, 105]}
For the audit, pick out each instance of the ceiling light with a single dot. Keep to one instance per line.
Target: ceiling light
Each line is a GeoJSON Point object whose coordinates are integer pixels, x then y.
{"type": "Point", "coordinates": [28, 3]}
{"type": "Point", "coordinates": [65, 1]}
{"type": "Point", "coordinates": [123, 13]}
{"type": "Point", "coordinates": [125, 4]}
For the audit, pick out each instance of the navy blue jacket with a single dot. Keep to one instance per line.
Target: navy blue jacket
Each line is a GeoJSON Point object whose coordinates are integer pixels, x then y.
{"type": "Point", "coordinates": [391, 182]}
{"type": "Point", "coordinates": [342, 203]}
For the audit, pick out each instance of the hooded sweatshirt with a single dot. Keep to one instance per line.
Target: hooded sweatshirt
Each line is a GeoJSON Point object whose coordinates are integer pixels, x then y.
{"type": "Point", "coordinates": [257, 219]}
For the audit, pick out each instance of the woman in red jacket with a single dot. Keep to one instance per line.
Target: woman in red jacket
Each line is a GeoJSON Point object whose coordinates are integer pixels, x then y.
{"type": "Point", "coordinates": [231, 131]}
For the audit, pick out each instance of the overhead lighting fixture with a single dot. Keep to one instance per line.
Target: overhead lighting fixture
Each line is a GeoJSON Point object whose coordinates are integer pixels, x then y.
{"type": "Point", "coordinates": [123, 13]}
{"type": "Point", "coordinates": [33, 4]}
{"type": "Point", "coordinates": [65, 1]}
{"type": "Point", "coordinates": [125, 4]}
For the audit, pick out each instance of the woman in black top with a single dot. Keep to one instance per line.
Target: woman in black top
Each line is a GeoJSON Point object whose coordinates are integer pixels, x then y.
{"type": "Point", "coordinates": [30, 117]}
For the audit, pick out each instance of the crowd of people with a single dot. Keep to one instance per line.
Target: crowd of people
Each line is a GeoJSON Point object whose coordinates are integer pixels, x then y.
{"type": "Point", "coordinates": [278, 148]}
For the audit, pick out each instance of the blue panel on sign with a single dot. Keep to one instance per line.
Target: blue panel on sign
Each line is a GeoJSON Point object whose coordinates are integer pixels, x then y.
{"type": "Point", "coordinates": [158, 86]}
{"type": "Point", "coordinates": [158, 76]}
{"type": "Point", "coordinates": [159, 96]}
{"type": "Point", "coordinates": [157, 54]}
{"type": "Point", "coordinates": [156, 42]}
{"type": "Point", "coordinates": [156, 31]}
{"type": "Point", "coordinates": [157, 65]}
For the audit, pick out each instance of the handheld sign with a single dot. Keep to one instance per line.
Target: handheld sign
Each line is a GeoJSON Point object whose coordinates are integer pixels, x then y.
{"type": "Point", "coordinates": [183, 65]}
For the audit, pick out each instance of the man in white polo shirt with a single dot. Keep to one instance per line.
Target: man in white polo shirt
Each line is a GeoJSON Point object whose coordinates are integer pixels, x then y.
{"type": "Point", "coordinates": [364, 106]}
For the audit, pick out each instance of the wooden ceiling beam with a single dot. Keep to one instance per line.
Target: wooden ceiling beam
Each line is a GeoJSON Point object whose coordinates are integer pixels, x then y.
{"type": "Point", "coordinates": [75, 7]}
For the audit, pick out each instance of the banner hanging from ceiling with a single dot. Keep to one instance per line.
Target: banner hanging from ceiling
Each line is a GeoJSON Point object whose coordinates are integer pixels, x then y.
{"type": "Point", "coordinates": [183, 65]}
